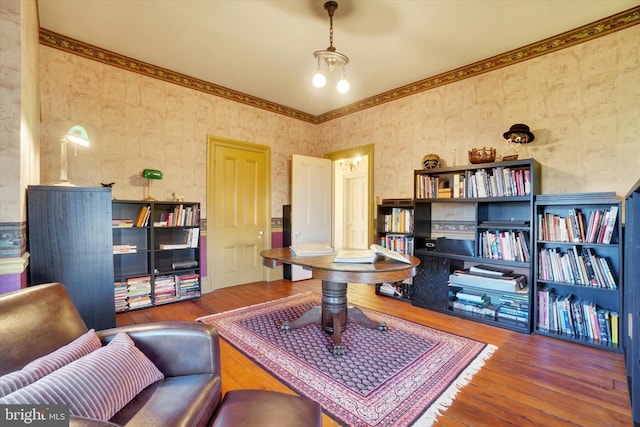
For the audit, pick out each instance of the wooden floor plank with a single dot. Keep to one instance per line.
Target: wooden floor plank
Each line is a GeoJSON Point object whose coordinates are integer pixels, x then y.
{"type": "Point", "coordinates": [530, 380]}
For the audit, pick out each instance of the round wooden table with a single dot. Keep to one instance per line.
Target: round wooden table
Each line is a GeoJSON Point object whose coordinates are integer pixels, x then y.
{"type": "Point", "coordinates": [334, 313]}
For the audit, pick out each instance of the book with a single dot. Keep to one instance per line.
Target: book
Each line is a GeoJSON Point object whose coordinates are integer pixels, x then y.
{"type": "Point", "coordinates": [610, 225]}
{"type": "Point", "coordinates": [368, 256]}
{"type": "Point", "coordinates": [513, 283]}
{"type": "Point", "coordinates": [490, 270]}
{"type": "Point", "coordinates": [311, 249]}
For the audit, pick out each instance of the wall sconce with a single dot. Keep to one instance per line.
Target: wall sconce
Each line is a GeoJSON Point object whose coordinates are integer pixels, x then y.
{"type": "Point", "coordinates": [150, 174]}
{"type": "Point", "coordinates": [350, 165]}
{"type": "Point", "coordinates": [77, 135]}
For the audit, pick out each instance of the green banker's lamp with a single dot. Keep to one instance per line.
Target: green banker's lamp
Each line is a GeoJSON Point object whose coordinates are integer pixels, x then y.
{"type": "Point", "coordinates": [150, 174]}
{"type": "Point", "coordinates": [77, 135]}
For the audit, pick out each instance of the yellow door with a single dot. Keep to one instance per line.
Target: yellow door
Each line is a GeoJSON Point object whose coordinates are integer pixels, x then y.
{"type": "Point", "coordinates": [239, 189]}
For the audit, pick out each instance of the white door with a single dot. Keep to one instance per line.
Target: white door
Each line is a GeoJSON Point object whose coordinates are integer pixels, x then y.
{"type": "Point", "coordinates": [310, 204]}
{"type": "Point", "coordinates": [356, 213]}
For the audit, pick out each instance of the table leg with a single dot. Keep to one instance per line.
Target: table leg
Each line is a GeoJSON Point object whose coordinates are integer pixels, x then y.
{"type": "Point", "coordinates": [313, 315]}
{"type": "Point", "coordinates": [334, 314]}
{"type": "Point", "coordinates": [358, 317]}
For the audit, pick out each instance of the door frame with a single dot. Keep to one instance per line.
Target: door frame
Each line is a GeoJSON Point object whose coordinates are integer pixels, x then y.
{"type": "Point", "coordinates": [217, 141]}
{"type": "Point", "coordinates": [349, 153]}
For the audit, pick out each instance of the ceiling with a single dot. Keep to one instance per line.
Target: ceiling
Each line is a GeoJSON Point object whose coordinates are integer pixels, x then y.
{"type": "Point", "coordinates": [264, 48]}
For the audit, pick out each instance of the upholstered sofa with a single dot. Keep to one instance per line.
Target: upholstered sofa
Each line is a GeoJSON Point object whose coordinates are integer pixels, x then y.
{"type": "Point", "coordinates": [172, 369]}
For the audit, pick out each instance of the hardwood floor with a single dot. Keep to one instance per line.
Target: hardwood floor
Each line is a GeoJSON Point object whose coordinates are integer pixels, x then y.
{"type": "Point", "coordinates": [530, 380]}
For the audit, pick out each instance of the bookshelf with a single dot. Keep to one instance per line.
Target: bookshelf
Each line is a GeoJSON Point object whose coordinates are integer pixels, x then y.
{"type": "Point", "coordinates": [394, 230]}
{"type": "Point", "coordinates": [156, 253]}
{"type": "Point", "coordinates": [70, 243]}
{"type": "Point", "coordinates": [631, 343]}
{"type": "Point", "coordinates": [578, 284]}
{"type": "Point", "coordinates": [470, 215]}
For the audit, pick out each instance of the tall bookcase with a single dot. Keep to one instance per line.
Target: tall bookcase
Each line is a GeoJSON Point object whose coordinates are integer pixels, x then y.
{"type": "Point", "coordinates": [394, 230]}
{"type": "Point", "coordinates": [70, 242]}
{"type": "Point", "coordinates": [631, 342]}
{"type": "Point", "coordinates": [457, 209]}
{"type": "Point", "coordinates": [156, 253]}
{"type": "Point", "coordinates": [578, 268]}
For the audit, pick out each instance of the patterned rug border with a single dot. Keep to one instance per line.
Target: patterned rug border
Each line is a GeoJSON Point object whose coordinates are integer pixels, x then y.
{"type": "Point", "coordinates": [432, 411]}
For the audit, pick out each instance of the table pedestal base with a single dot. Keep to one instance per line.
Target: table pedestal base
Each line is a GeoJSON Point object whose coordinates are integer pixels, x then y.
{"type": "Point", "coordinates": [334, 314]}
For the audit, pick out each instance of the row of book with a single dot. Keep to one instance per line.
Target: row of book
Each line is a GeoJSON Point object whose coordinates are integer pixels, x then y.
{"type": "Point", "coordinates": [398, 243]}
{"type": "Point", "coordinates": [564, 314]}
{"type": "Point", "coordinates": [491, 182]}
{"type": "Point", "coordinates": [499, 182]}
{"type": "Point", "coordinates": [578, 267]}
{"type": "Point", "coordinates": [142, 219]}
{"type": "Point", "coordinates": [434, 187]}
{"type": "Point", "coordinates": [135, 292]}
{"type": "Point", "coordinates": [400, 220]}
{"type": "Point", "coordinates": [598, 227]}
{"type": "Point", "coordinates": [511, 308]}
{"type": "Point", "coordinates": [191, 239]}
{"type": "Point", "coordinates": [180, 216]}
{"type": "Point", "coordinates": [504, 245]}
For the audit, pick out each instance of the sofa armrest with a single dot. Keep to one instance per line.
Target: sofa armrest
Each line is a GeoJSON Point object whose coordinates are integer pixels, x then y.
{"type": "Point", "coordinates": [176, 348]}
{"type": "Point", "coordinates": [89, 422]}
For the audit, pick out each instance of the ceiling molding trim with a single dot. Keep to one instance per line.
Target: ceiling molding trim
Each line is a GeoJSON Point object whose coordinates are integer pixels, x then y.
{"type": "Point", "coordinates": [69, 45]}
{"type": "Point", "coordinates": [579, 35]}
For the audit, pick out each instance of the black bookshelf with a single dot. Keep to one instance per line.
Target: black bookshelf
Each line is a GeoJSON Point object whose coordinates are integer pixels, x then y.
{"type": "Point", "coordinates": [632, 297]}
{"type": "Point", "coordinates": [456, 209]}
{"type": "Point", "coordinates": [575, 299]}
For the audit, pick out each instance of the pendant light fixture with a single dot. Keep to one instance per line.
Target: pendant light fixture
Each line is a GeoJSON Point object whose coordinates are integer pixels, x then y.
{"type": "Point", "coordinates": [331, 57]}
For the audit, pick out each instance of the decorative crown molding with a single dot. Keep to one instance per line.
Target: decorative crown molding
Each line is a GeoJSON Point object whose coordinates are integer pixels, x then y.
{"type": "Point", "coordinates": [579, 35]}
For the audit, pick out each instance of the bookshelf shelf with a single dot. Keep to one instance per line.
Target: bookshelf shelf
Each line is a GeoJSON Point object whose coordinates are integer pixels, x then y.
{"type": "Point", "coordinates": [394, 230]}
{"type": "Point", "coordinates": [577, 279]}
{"type": "Point", "coordinates": [470, 215]}
{"type": "Point", "coordinates": [165, 264]}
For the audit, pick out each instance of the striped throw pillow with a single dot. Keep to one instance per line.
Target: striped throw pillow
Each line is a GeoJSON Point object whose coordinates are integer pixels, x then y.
{"type": "Point", "coordinates": [43, 366]}
{"type": "Point", "coordinates": [97, 385]}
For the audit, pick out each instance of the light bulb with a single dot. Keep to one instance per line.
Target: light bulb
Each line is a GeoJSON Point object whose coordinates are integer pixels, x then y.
{"type": "Point", "coordinates": [319, 80]}
{"type": "Point", "coordinates": [343, 86]}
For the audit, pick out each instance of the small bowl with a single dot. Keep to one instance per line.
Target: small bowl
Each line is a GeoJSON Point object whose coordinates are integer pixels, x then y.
{"type": "Point", "coordinates": [482, 155]}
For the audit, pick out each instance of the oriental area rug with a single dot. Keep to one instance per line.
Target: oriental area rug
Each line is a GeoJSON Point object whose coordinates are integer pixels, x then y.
{"type": "Point", "coordinates": [402, 376]}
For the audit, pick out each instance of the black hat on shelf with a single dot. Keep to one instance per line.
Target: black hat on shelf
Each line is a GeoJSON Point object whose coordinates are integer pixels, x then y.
{"type": "Point", "coordinates": [520, 129]}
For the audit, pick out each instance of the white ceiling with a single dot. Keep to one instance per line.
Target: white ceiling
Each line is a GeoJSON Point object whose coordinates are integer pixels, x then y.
{"type": "Point", "coordinates": [264, 48]}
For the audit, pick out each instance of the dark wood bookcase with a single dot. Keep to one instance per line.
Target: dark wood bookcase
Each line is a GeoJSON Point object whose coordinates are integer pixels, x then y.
{"type": "Point", "coordinates": [456, 209]}
{"type": "Point", "coordinates": [156, 253]}
{"type": "Point", "coordinates": [575, 299]}
{"type": "Point", "coordinates": [70, 241]}
{"type": "Point", "coordinates": [631, 340]}
{"type": "Point", "coordinates": [394, 230]}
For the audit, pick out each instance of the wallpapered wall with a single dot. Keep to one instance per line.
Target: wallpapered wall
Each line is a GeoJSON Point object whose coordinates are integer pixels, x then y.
{"type": "Point", "coordinates": [582, 103]}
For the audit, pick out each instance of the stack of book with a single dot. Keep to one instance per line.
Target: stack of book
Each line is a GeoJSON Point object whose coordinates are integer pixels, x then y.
{"type": "Point", "coordinates": [122, 223]}
{"type": "Point", "coordinates": [514, 308]}
{"type": "Point", "coordinates": [120, 296]}
{"type": "Point", "coordinates": [472, 301]}
{"type": "Point", "coordinates": [139, 291]}
{"type": "Point", "coordinates": [490, 277]}
{"type": "Point", "coordinates": [164, 290]}
{"type": "Point", "coordinates": [124, 249]}
{"type": "Point", "coordinates": [188, 286]}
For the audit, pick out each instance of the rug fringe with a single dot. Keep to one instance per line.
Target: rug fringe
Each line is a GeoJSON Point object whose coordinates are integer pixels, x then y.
{"type": "Point", "coordinates": [429, 417]}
